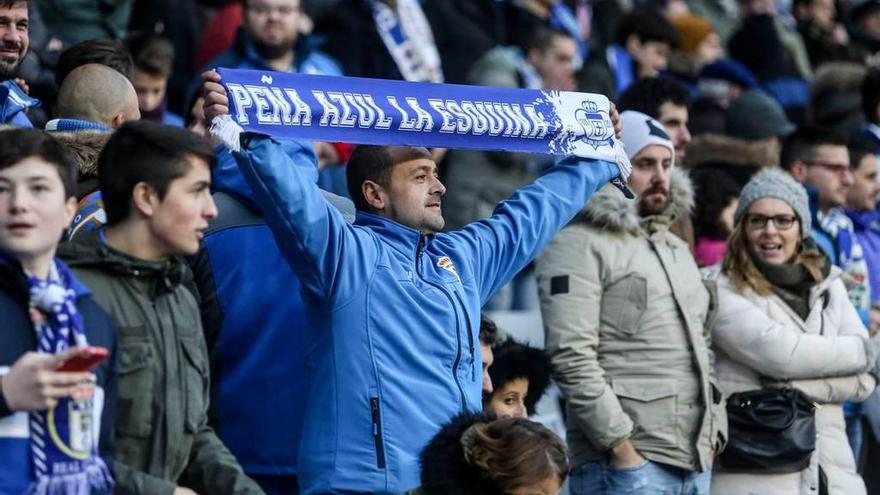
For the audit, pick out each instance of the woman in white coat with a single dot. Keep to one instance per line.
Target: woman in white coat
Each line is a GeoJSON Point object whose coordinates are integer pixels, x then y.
{"type": "Point", "coordinates": [784, 320]}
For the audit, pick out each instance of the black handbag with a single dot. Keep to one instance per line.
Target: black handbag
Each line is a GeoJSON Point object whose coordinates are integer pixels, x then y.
{"type": "Point", "coordinates": [769, 431]}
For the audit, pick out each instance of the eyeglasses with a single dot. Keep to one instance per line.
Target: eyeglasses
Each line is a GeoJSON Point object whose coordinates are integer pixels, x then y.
{"type": "Point", "coordinates": [756, 221]}
{"type": "Point", "coordinates": [837, 168]}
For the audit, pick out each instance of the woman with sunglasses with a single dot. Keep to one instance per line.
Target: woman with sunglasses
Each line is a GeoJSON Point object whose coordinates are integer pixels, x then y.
{"type": "Point", "coordinates": [785, 321]}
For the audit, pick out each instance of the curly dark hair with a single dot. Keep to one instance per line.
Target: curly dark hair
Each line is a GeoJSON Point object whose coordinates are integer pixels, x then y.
{"type": "Point", "coordinates": [714, 190]}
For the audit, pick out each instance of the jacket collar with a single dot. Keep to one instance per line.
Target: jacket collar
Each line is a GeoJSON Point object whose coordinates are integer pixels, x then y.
{"type": "Point", "coordinates": [14, 280]}
{"type": "Point", "coordinates": [610, 210]}
{"type": "Point", "coordinates": [404, 239]}
{"type": "Point", "coordinates": [303, 48]}
{"type": "Point", "coordinates": [90, 251]}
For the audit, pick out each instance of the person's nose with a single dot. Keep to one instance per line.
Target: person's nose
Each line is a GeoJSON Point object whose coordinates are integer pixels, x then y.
{"type": "Point", "coordinates": [438, 187]}
{"type": "Point", "coordinates": [848, 178]}
{"type": "Point", "coordinates": [17, 200]}
{"type": "Point", "coordinates": [210, 209]}
{"type": "Point", "coordinates": [11, 35]}
{"type": "Point", "coordinates": [685, 135]}
{"type": "Point", "coordinates": [487, 384]}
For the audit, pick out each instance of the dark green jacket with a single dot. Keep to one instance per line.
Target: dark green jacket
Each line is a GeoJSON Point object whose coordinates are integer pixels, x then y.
{"type": "Point", "coordinates": [162, 433]}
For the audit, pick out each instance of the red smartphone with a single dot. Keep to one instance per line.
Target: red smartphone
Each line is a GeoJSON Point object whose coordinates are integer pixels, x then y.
{"type": "Point", "coordinates": [85, 360]}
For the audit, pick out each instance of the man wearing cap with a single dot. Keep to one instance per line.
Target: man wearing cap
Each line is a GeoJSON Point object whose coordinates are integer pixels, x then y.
{"type": "Point", "coordinates": [626, 319]}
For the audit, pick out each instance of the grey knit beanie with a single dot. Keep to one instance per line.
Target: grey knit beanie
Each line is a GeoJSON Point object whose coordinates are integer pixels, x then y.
{"type": "Point", "coordinates": [777, 184]}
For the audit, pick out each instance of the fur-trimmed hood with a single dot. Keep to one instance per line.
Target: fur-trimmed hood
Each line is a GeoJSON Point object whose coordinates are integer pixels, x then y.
{"type": "Point", "coordinates": [85, 146]}
{"type": "Point", "coordinates": [444, 468]}
{"type": "Point", "coordinates": [712, 148]}
{"type": "Point", "coordinates": [610, 210]}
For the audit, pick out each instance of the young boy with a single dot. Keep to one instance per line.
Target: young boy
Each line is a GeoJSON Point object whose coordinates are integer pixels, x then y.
{"type": "Point", "coordinates": [155, 181]}
{"type": "Point", "coordinates": [153, 61]}
{"type": "Point", "coordinates": [49, 420]}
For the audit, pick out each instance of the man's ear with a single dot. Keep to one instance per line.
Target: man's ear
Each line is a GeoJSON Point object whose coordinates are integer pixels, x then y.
{"type": "Point", "coordinates": [633, 43]}
{"type": "Point", "coordinates": [144, 199]}
{"type": "Point", "coordinates": [374, 195]}
{"type": "Point", "coordinates": [117, 121]}
{"type": "Point", "coordinates": [70, 209]}
{"type": "Point", "coordinates": [533, 56]}
{"type": "Point", "coordinates": [798, 170]}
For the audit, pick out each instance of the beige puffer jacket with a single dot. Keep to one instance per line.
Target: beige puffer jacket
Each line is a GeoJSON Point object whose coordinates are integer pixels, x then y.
{"type": "Point", "coordinates": [625, 313]}
{"type": "Point", "coordinates": [760, 342]}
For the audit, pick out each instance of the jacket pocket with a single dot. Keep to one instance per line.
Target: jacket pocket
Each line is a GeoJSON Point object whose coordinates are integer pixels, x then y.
{"type": "Point", "coordinates": [376, 414]}
{"type": "Point", "coordinates": [624, 303]}
{"type": "Point", "coordinates": [135, 390]}
{"type": "Point", "coordinates": [651, 404]}
{"type": "Point", "coordinates": [195, 382]}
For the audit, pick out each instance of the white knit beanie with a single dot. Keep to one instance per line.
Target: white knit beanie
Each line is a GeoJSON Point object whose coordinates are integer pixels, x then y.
{"type": "Point", "coordinates": [640, 130]}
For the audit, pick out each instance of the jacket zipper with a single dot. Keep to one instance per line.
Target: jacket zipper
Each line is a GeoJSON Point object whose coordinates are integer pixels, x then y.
{"type": "Point", "coordinates": [377, 432]}
{"type": "Point", "coordinates": [457, 327]}
{"type": "Point", "coordinates": [470, 335]}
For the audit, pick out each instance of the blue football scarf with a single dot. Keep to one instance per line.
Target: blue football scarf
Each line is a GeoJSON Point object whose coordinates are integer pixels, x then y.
{"type": "Point", "coordinates": [385, 112]}
{"type": "Point", "coordinates": [63, 447]}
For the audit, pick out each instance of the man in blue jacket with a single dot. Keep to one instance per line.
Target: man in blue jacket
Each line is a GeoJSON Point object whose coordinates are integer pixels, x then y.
{"type": "Point", "coordinates": [392, 306]}
{"type": "Point", "coordinates": [240, 272]}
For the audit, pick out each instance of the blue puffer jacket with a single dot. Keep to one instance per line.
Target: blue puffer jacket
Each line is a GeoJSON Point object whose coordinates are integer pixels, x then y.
{"type": "Point", "coordinates": [256, 338]}
{"type": "Point", "coordinates": [393, 315]}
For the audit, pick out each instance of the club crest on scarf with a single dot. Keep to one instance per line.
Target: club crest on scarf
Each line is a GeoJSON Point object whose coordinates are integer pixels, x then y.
{"type": "Point", "coordinates": [597, 126]}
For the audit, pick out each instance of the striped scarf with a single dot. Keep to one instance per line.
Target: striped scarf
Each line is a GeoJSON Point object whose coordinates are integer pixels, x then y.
{"type": "Point", "coordinates": [850, 256]}
{"type": "Point", "coordinates": [64, 449]}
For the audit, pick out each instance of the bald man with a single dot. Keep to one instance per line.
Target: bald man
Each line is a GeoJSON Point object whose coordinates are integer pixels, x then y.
{"type": "Point", "coordinates": [93, 101]}
{"type": "Point", "coordinates": [94, 97]}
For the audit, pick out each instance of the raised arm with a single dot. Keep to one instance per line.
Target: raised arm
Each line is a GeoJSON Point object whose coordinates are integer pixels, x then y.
{"type": "Point", "coordinates": [521, 226]}
{"type": "Point", "coordinates": [313, 235]}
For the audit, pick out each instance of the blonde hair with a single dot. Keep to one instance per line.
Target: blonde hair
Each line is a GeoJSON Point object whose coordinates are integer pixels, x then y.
{"type": "Point", "coordinates": [742, 272]}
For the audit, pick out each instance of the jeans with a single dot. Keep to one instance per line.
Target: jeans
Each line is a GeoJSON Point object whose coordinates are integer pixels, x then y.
{"type": "Point", "coordinates": [854, 433]}
{"type": "Point", "coordinates": [649, 478]}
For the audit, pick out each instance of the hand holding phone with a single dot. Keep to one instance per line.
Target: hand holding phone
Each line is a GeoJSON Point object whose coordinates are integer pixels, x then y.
{"type": "Point", "coordinates": [85, 359]}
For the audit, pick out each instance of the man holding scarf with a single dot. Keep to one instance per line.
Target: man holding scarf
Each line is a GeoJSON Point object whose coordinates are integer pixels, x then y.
{"type": "Point", "coordinates": [393, 305]}
{"type": "Point", "coordinates": [56, 428]}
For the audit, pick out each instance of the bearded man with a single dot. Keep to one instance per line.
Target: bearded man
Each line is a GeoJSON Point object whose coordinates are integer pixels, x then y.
{"type": "Point", "coordinates": [626, 317]}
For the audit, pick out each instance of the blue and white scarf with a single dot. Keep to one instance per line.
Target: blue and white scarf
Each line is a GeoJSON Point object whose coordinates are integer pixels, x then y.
{"type": "Point", "coordinates": [409, 39]}
{"type": "Point", "coordinates": [850, 256]}
{"type": "Point", "coordinates": [383, 112]}
{"type": "Point", "coordinates": [64, 449]}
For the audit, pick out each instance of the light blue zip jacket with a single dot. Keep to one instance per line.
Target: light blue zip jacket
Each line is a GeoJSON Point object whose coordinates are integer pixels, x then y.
{"type": "Point", "coordinates": [393, 316]}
